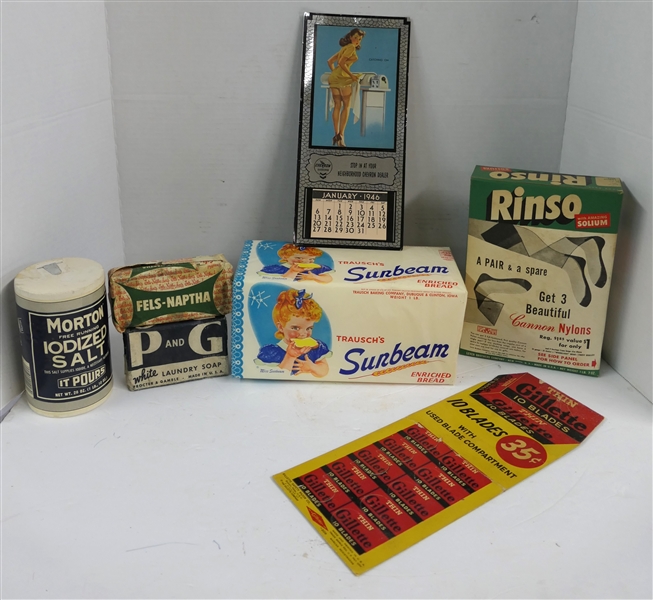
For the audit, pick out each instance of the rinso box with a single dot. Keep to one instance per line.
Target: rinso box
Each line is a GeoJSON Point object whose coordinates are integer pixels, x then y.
{"type": "Point", "coordinates": [305, 313]}
{"type": "Point", "coordinates": [175, 352]}
{"type": "Point", "coordinates": [539, 266]}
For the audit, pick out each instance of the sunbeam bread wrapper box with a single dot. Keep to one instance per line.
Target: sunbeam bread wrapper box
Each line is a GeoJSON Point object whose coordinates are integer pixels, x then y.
{"type": "Point", "coordinates": [165, 292]}
{"type": "Point", "coordinates": [382, 493]}
{"type": "Point", "coordinates": [539, 267]}
{"type": "Point", "coordinates": [306, 313]}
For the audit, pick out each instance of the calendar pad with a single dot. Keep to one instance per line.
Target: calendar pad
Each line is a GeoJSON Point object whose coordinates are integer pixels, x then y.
{"type": "Point", "coordinates": [356, 216]}
{"type": "Point", "coordinates": [350, 183]}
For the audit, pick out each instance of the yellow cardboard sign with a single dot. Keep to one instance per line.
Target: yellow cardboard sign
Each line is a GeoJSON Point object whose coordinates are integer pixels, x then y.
{"type": "Point", "coordinates": [382, 493]}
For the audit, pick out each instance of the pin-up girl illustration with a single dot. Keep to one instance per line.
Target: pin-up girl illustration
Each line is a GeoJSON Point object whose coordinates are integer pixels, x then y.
{"type": "Point", "coordinates": [294, 315]}
{"type": "Point", "coordinates": [297, 263]}
{"type": "Point", "coordinates": [343, 82]}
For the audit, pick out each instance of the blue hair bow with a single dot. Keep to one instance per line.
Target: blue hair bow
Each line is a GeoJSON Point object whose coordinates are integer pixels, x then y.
{"type": "Point", "coordinates": [301, 296]}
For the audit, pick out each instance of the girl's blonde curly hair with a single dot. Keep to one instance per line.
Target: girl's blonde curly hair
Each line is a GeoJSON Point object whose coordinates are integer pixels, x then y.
{"type": "Point", "coordinates": [294, 303]}
{"type": "Point", "coordinates": [289, 249]}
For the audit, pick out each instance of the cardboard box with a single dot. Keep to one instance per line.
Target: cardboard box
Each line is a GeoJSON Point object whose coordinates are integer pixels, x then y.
{"type": "Point", "coordinates": [305, 313]}
{"type": "Point", "coordinates": [175, 352]}
{"type": "Point", "coordinates": [539, 267]}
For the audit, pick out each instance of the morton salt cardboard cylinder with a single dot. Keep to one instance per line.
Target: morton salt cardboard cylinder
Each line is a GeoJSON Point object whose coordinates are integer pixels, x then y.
{"type": "Point", "coordinates": [175, 352]}
{"type": "Point", "coordinates": [338, 314]}
{"type": "Point", "coordinates": [63, 324]}
{"type": "Point", "coordinates": [539, 267]}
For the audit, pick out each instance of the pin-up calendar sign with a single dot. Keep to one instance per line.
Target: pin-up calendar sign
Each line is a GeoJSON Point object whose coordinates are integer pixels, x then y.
{"type": "Point", "coordinates": [350, 184]}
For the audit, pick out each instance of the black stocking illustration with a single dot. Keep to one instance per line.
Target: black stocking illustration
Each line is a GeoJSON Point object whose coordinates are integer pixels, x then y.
{"type": "Point", "coordinates": [593, 248]}
{"type": "Point", "coordinates": [559, 254]}
{"type": "Point", "coordinates": [487, 285]}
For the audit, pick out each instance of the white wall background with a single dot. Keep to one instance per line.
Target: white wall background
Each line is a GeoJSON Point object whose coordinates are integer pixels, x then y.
{"type": "Point", "coordinates": [206, 100]}
{"type": "Point", "coordinates": [59, 177]}
{"type": "Point", "coordinates": [608, 131]}
{"type": "Point", "coordinates": [206, 105]}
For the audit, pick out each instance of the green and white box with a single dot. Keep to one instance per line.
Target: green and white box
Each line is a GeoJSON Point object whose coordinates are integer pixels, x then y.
{"type": "Point", "coordinates": [539, 267]}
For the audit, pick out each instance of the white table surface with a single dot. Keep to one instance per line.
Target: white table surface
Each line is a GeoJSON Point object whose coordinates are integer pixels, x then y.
{"type": "Point", "coordinates": [167, 493]}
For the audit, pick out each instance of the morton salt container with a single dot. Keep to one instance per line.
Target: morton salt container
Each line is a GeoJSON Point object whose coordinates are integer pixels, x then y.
{"type": "Point", "coordinates": [63, 323]}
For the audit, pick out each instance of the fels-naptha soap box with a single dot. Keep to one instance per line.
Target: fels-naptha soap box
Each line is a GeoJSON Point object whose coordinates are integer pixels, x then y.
{"type": "Point", "coordinates": [384, 492]}
{"type": "Point", "coordinates": [337, 314]}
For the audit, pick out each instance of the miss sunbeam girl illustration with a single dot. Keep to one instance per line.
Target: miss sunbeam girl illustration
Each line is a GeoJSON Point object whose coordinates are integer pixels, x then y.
{"type": "Point", "coordinates": [294, 316]}
{"type": "Point", "coordinates": [297, 263]}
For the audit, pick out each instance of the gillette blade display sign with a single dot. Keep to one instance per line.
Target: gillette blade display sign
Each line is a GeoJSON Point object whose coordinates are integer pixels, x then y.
{"type": "Point", "coordinates": [539, 267]}
{"type": "Point", "coordinates": [376, 496]}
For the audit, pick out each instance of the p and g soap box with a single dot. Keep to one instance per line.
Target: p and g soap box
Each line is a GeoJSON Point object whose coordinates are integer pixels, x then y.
{"type": "Point", "coordinates": [175, 352]}
{"type": "Point", "coordinates": [306, 313]}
